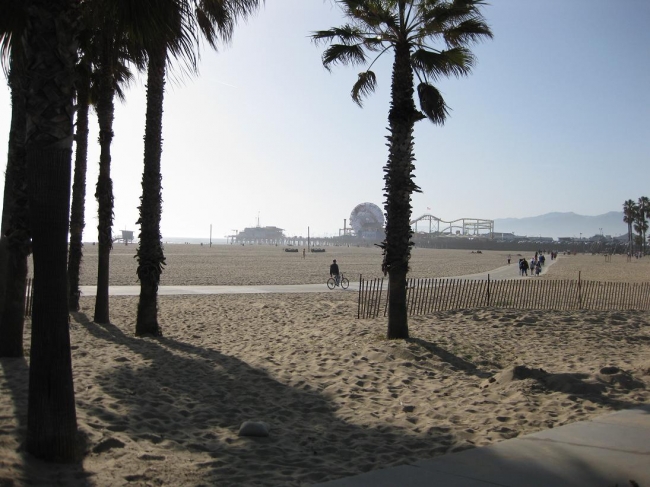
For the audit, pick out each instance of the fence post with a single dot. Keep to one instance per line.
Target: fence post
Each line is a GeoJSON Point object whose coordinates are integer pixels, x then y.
{"type": "Point", "coordinates": [387, 294]}
{"type": "Point", "coordinates": [360, 294]}
{"type": "Point", "coordinates": [579, 291]}
{"type": "Point", "coordinates": [488, 291]}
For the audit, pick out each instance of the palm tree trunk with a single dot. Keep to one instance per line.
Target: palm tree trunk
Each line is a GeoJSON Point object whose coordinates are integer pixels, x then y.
{"type": "Point", "coordinates": [399, 187]}
{"type": "Point", "coordinates": [51, 51]}
{"type": "Point", "coordinates": [16, 244]}
{"type": "Point", "coordinates": [629, 237]}
{"type": "Point", "coordinates": [77, 224]}
{"type": "Point", "coordinates": [150, 251]}
{"type": "Point", "coordinates": [104, 192]}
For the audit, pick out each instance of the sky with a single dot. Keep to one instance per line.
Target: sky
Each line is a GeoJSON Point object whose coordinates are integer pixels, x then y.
{"type": "Point", "coordinates": [555, 117]}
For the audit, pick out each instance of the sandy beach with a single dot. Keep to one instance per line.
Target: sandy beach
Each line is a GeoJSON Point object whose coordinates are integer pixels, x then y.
{"type": "Point", "coordinates": [338, 398]}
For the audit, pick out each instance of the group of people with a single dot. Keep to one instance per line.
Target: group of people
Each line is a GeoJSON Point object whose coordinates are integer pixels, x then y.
{"type": "Point", "coordinates": [535, 265]}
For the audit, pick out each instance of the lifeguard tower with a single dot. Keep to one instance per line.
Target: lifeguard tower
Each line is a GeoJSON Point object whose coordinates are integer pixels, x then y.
{"type": "Point", "coordinates": [127, 237]}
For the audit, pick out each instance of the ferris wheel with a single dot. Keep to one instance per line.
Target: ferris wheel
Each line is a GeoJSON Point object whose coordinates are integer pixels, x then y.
{"type": "Point", "coordinates": [366, 217]}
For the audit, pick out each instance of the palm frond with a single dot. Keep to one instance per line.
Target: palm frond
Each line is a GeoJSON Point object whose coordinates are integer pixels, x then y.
{"type": "Point", "coordinates": [364, 86]}
{"type": "Point", "coordinates": [467, 32]}
{"type": "Point", "coordinates": [347, 34]}
{"type": "Point", "coordinates": [457, 61]}
{"type": "Point", "coordinates": [343, 54]}
{"type": "Point", "coordinates": [448, 13]}
{"type": "Point", "coordinates": [373, 13]}
{"type": "Point", "coordinates": [123, 79]}
{"type": "Point", "coordinates": [432, 103]}
{"type": "Point", "coordinates": [13, 18]}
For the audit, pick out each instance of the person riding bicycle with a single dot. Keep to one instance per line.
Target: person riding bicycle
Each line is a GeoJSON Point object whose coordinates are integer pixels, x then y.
{"type": "Point", "coordinates": [334, 271]}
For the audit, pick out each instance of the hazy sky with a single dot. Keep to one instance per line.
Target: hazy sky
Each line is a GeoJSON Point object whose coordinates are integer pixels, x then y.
{"type": "Point", "coordinates": [555, 117]}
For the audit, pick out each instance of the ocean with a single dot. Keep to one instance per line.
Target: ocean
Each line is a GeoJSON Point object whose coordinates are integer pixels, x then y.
{"type": "Point", "coordinates": [194, 241]}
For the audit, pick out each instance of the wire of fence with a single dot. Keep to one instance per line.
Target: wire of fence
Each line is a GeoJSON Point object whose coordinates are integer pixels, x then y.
{"type": "Point", "coordinates": [425, 296]}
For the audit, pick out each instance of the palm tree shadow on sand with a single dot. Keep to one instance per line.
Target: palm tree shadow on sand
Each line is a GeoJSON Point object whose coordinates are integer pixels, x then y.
{"type": "Point", "coordinates": [194, 399]}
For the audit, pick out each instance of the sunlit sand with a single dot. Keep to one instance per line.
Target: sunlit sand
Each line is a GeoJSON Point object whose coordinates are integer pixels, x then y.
{"type": "Point", "coordinates": [339, 399]}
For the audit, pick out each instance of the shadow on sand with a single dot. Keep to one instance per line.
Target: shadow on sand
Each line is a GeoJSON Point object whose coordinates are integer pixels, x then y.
{"type": "Point", "coordinates": [165, 408]}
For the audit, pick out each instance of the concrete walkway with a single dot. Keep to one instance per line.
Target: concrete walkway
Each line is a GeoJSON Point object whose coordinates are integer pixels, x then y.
{"type": "Point", "coordinates": [506, 272]}
{"type": "Point", "coordinates": [608, 451]}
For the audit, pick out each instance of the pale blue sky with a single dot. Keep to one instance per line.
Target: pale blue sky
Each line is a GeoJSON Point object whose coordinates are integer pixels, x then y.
{"type": "Point", "coordinates": [555, 117]}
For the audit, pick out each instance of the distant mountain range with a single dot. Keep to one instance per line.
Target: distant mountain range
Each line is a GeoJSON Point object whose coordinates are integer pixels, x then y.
{"type": "Point", "coordinates": [564, 225]}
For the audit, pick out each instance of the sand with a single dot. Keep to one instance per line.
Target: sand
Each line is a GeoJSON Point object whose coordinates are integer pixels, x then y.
{"type": "Point", "coordinates": [338, 398]}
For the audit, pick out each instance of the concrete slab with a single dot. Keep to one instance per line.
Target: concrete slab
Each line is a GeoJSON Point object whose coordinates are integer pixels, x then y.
{"type": "Point", "coordinates": [405, 476]}
{"type": "Point", "coordinates": [531, 463]}
{"type": "Point", "coordinates": [622, 437]}
{"type": "Point", "coordinates": [606, 452]}
{"type": "Point", "coordinates": [186, 290]}
{"type": "Point", "coordinates": [639, 417]}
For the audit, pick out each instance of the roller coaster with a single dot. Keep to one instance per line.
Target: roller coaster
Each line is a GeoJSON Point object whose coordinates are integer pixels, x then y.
{"type": "Point", "coordinates": [461, 226]}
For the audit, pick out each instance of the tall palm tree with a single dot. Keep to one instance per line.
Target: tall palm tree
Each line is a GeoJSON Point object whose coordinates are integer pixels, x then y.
{"type": "Point", "coordinates": [88, 90]}
{"type": "Point", "coordinates": [408, 29]}
{"type": "Point", "coordinates": [77, 209]}
{"type": "Point", "coordinates": [51, 51]}
{"type": "Point", "coordinates": [629, 212]}
{"type": "Point", "coordinates": [644, 214]}
{"type": "Point", "coordinates": [111, 40]}
{"type": "Point", "coordinates": [214, 20]}
{"type": "Point", "coordinates": [15, 242]}
{"type": "Point", "coordinates": [126, 30]}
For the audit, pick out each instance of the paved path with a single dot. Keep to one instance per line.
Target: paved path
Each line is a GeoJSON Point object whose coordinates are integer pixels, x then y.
{"type": "Point", "coordinates": [607, 451]}
{"type": "Point", "coordinates": [506, 272]}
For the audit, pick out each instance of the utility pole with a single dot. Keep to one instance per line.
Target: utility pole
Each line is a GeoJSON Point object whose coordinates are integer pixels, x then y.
{"type": "Point", "coordinates": [210, 235]}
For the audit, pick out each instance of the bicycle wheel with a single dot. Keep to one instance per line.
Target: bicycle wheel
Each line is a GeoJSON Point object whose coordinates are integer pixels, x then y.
{"type": "Point", "coordinates": [345, 283]}
{"type": "Point", "coordinates": [331, 283]}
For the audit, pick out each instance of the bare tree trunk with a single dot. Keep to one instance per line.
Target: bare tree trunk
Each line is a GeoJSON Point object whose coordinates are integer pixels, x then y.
{"type": "Point", "coordinates": [51, 51]}
{"type": "Point", "coordinates": [150, 251]}
{"type": "Point", "coordinates": [399, 187]}
{"type": "Point", "coordinates": [16, 244]}
{"type": "Point", "coordinates": [77, 210]}
{"type": "Point", "coordinates": [104, 192]}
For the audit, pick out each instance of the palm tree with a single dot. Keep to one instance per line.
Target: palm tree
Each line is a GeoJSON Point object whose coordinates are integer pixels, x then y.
{"type": "Point", "coordinates": [123, 30]}
{"type": "Point", "coordinates": [215, 19]}
{"type": "Point", "coordinates": [644, 213]}
{"type": "Point", "coordinates": [88, 89]}
{"type": "Point", "coordinates": [407, 28]}
{"type": "Point", "coordinates": [15, 244]}
{"type": "Point", "coordinates": [629, 212]}
{"type": "Point", "coordinates": [111, 40]}
{"type": "Point", "coordinates": [77, 209]}
{"type": "Point", "coordinates": [51, 51]}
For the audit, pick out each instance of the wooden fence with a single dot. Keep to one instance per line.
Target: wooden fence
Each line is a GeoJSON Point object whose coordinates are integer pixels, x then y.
{"type": "Point", "coordinates": [424, 296]}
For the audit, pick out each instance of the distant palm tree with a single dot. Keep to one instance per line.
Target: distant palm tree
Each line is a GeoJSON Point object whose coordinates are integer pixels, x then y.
{"type": "Point", "coordinates": [15, 242]}
{"type": "Point", "coordinates": [51, 51]}
{"type": "Point", "coordinates": [214, 20]}
{"type": "Point", "coordinates": [408, 29]}
{"type": "Point", "coordinates": [644, 214]}
{"type": "Point", "coordinates": [629, 214]}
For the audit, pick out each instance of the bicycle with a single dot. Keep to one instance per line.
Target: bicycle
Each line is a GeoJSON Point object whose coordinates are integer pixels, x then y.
{"type": "Point", "coordinates": [338, 281]}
